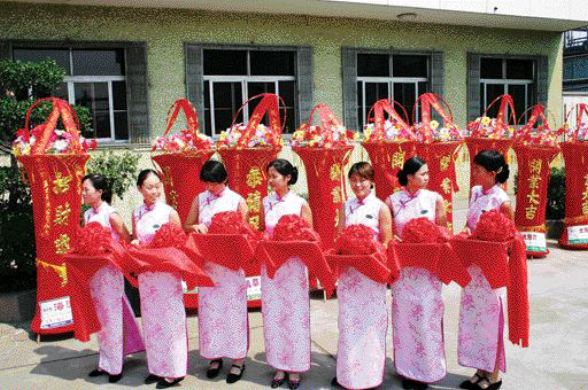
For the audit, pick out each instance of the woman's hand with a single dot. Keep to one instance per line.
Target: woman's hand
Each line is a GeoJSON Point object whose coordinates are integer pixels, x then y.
{"type": "Point", "coordinates": [200, 228]}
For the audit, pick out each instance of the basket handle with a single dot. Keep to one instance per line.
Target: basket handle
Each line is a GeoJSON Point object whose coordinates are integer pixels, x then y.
{"type": "Point", "coordinates": [269, 103]}
{"type": "Point", "coordinates": [505, 101]}
{"type": "Point", "coordinates": [326, 116]}
{"type": "Point", "coordinates": [388, 106]}
{"type": "Point", "coordinates": [60, 108]}
{"type": "Point", "coordinates": [537, 112]}
{"type": "Point", "coordinates": [187, 108]}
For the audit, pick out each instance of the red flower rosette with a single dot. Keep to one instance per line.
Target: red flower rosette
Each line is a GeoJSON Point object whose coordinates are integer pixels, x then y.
{"type": "Point", "coordinates": [293, 237]}
{"type": "Point", "coordinates": [499, 251]}
{"type": "Point", "coordinates": [356, 247]}
{"type": "Point", "coordinates": [93, 249]}
{"type": "Point", "coordinates": [230, 241]}
{"type": "Point", "coordinates": [167, 252]}
{"type": "Point", "coordinates": [424, 245]}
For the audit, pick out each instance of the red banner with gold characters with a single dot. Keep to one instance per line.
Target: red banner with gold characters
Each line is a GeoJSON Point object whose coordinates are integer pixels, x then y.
{"type": "Point", "coordinates": [440, 158]}
{"type": "Point", "coordinates": [182, 157]}
{"type": "Point", "coordinates": [387, 158]}
{"type": "Point", "coordinates": [575, 233]}
{"type": "Point", "coordinates": [56, 187]}
{"type": "Point", "coordinates": [439, 147]}
{"type": "Point", "coordinates": [531, 201]}
{"type": "Point", "coordinates": [325, 178]}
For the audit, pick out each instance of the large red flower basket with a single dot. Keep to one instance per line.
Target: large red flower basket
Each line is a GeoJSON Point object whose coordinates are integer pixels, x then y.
{"type": "Point", "coordinates": [56, 187]}
{"type": "Point", "coordinates": [181, 169]}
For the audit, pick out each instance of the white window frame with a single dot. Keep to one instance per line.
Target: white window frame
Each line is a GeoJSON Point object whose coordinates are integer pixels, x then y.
{"type": "Point", "coordinates": [244, 80]}
{"type": "Point", "coordinates": [390, 81]}
{"type": "Point", "coordinates": [505, 83]}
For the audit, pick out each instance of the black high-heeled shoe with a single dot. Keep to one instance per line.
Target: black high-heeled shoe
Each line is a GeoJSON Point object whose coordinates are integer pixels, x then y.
{"type": "Point", "coordinates": [152, 379]}
{"type": "Point", "coordinates": [97, 372]}
{"type": "Point", "coordinates": [415, 385]}
{"type": "Point", "coordinates": [469, 384]}
{"type": "Point", "coordinates": [213, 372]}
{"type": "Point", "coordinates": [292, 385]}
{"type": "Point", "coordinates": [278, 382]}
{"type": "Point", "coordinates": [164, 384]}
{"type": "Point", "coordinates": [114, 378]}
{"type": "Point", "coordinates": [491, 385]}
{"type": "Point", "coordinates": [232, 378]}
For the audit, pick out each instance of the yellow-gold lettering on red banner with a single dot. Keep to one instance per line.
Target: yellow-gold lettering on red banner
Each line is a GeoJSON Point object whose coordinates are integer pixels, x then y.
{"type": "Point", "coordinates": [254, 177]}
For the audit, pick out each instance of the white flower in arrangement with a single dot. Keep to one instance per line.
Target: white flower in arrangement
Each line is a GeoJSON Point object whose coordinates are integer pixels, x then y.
{"type": "Point", "coordinates": [60, 145]}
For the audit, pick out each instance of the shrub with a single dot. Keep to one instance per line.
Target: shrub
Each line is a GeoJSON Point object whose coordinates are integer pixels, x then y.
{"type": "Point", "coordinates": [556, 194]}
{"type": "Point", "coordinates": [17, 235]}
{"type": "Point", "coordinates": [119, 169]}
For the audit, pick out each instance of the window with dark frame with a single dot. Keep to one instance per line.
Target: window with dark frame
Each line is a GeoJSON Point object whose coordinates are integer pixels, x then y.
{"type": "Point", "coordinates": [513, 76]}
{"type": "Point", "coordinates": [231, 76]}
{"type": "Point", "coordinates": [95, 78]}
{"type": "Point", "coordinates": [400, 77]}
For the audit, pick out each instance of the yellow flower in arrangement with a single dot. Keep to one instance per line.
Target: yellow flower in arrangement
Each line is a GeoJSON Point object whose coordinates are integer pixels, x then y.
{"type": "Point", "coordinates": [298, 135]}
{"type": "Point", "coordinates": [486, 121]}
{"type": "Point", "coordinates": [356, 136]}
{"type": "Point", "coordinates": [222, 136]}
{"type": "Point", "coordinates": [434, 124]}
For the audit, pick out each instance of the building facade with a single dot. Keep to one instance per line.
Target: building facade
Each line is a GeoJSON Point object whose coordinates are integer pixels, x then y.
{"type": "Point", "coordinates": [128, 64]}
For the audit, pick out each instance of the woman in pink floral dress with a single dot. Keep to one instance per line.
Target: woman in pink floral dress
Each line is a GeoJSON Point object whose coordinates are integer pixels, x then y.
{"type": "Point", "coordinates": [481, 318]}
{"type": "Point", "coordinates": [363, 316]}
{"type": "Point", "coordinates": [417, 308]}
{"type": "Point", "coordinates": [222, 309]}
{"type": "Point", "coordinates": [119, 335]}
{"type": "Point", "coordinates": [285, 298]}
{"type": "Point", "coordinates": [162, 303]}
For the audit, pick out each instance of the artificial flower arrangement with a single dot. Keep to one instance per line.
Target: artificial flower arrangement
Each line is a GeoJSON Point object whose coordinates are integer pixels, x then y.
{"type": "Point", "coordinates": [434, 133]}
{"type": "Point", "coordinates": [494, 128]}
{"type": "Point", "coordinates": [357, 240]}
{"type": "Point", "coordinates": [262, 137]}
{"type": "Point", "coordinates": [182, 141]}
{"type": "Point", "coordinates": [486, 127]}
{"type": "Point", "coordinates": [391, 129]}
{"type": "Point", "coordinates": [422, 230]}
{"type": "Point", "coordinates": [494, 226]}
{"type": "Point", "coordinates": [429, 130]}
{"type": "Point", "coordinates": [186, 140]}
{"type": "Point", "coordinates": [60, 142]}
{"type": "Point", "coordinates": [394, 131]}
{"type": "Point", "coordinates": [329, 134]}
{"type": "Point", "coordinates": [541, 135]}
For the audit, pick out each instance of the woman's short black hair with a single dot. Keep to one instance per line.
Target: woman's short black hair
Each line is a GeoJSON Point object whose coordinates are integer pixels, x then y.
{"type": "Point", "coordinates": [362, 169]}
{"type": "Point", "coordinates": [144, 174]}
{"type": "Point", "coordinates": [213, 172]}
{"type": "Point", "coordinates": [284, 168]}
{"type": "Point", "coordinates": [99, 182]}
{"type": "Point", "coordinates": [410, 167]}
{"type": "Point", "coordinates": [493, 161]}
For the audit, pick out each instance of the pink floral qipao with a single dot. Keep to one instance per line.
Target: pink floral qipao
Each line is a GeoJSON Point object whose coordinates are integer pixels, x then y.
{"type": "Point", "coordinates": [119, 334]}
{"type": "Point", "coordinates": [285, 298]}
{"type": "Point", "coordinates": [222, 309]}
{"type": "Point", "coordinates": [417, 306]}
{"type": "Point", "coordinates": [481, 317]}
{"type": "Point", "coordinates": [363, 317]}
{"type": "Point", "coordinates": [162, 304]}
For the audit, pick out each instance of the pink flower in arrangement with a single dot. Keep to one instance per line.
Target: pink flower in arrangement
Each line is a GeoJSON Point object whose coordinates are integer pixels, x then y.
{"type": "Point", "coordinates": [183, 141]}
{"type": "Point", "coordinates": [60, 142]}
